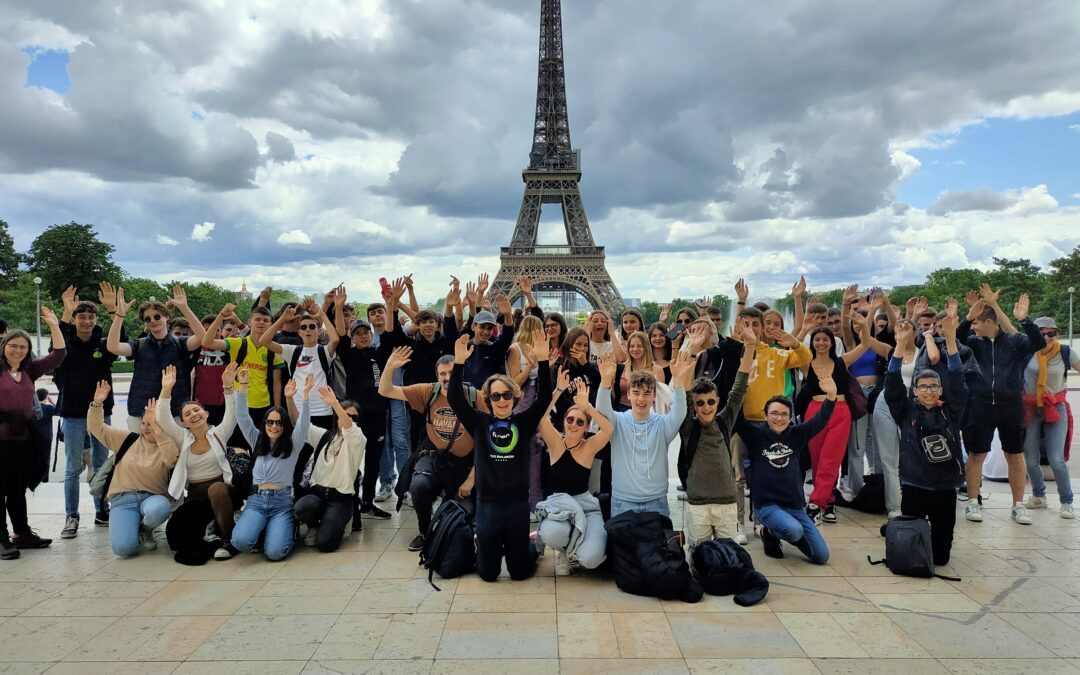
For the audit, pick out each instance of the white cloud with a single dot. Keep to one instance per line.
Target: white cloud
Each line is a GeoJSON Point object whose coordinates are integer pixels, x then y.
{"type": "Point", "coordinates": [201, 231]}
{"type": "Point", "coordinates": [297, 237]}
{"type": "Point", "coordinates": [166, 241]}
{"type": "Point", "coordinates": [908, 164]}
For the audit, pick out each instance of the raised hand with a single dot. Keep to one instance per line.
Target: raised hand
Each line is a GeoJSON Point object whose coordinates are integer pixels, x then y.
{"type": "Point", "coordinates": [482, 285]}
{"type": "Point", "coordinates": [988, 294]}
{"type": "Point", "coordinates": [562, 381]}
{"type": "Point", "coordinates": [828, 385]}
{"type": "Point", "coordinates": [453, 296]}
{"type": "Point", "coordinates": [70, 298]}
{"type": "Point", "coordinates": [1020, 309]}
{"type": "Point", "coordinates": [290, 388]}
{"type": "Point", "coordinates": [703, 302]}
{"type": "Point", "coordinates": [340, 296]}
{"type": "Point", "coordinates": [397, 289]}
{"type": "Point", "coordinates": [49, 317]}
{"type": "Point", "coordinates": [682, 368]}
{"type": "Point", "coordinates": [408, 281]}
{"type": "Point", "coordinates": [742, 290]}
{"type": "Point", "coordinates": [747, 336]}
{"type": "Point", "coordinates": [326, 395]}
{"type": "Point", "coordinates": [921, 305]}
{"type": "Point", "coordinates": [952, 306]}
{"type": "Point", "coordinates": [227, 311]}
{"type": "Point", "coordinates": [665, 312]}
{"type": "Point", "coordinates": [101, 392]}
{"type": "Point", "coordinates": [525, 283]}
{"type": "Point", "coordinates": [228, 376]}
{"type": "Point", "coordinates": [288, 314]}
{"type": "Point", "coordinates": [470, 293]}
{"type": "Point", "coordinates": [799, 289]}
{"type": "Point", "coordinates": [265, 294]}
{"type": "Point", "coordinates": [107, 295]}
{"type": "Point", "coordinates": [309, 384]}
{"type": "Point", "coordinates": [502, 304]}
{"type": "Point", "coordinates": [179, 298]}
{"type": "Point", "coordinates": [399, 357]}
{"type": "Point", "coordinates": [849, 295]}
{"type": "Point", "coordinates": [462, 349]}
{"type": "Point", "coordinates": [168, 378]}
{"type": "Point", "coordinates": [151, 407]}
{"type": "Point", "coordinates": [905, 337]}
{"type": "Point", "coordinates": [242, 377]}
{"type": "Point", "coordinates": [606, 365]}
{"type": "Point", "coordinates": [581, 393]}
{"type": "Point", "coordinates": [970, 298]}
{"type": "Point", "coordinates": [949, 325]}
{"type": "Point", "coordinates": [122, 307]}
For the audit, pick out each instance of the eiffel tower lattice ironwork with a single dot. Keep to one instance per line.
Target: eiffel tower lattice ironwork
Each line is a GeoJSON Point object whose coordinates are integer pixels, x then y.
{"type": "Point", "coordinates": [552, 178]}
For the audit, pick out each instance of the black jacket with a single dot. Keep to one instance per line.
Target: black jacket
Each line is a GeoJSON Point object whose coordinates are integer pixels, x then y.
{"type": "Point", "coordinates": [1002, 361]}
{"type": "Point", "coordinates": [86, 364]}
{"type": "Point", "coordinates": [646, 560]}
{"type": "Point", "coordinates": [363, 368]}
{"type": "Point", "coordinates": [421, 368]}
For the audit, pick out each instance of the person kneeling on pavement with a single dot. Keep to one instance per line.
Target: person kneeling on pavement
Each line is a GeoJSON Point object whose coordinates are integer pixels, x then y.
{"type": "Point", "coordinates": [776, 480]}
{"type": "Point", "coordinates": [138, 490]}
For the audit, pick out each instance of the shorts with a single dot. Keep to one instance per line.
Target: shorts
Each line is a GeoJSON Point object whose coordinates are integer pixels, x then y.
{"type": "Point", "coordinates": [983, 420]}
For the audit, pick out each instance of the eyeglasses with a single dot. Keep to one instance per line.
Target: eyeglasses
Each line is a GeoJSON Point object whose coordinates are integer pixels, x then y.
{"type": "Point", "coordinates": [501, 396]}
{"type": "Point", "coordinates": [148, 318]}
{"type": "Point", "coordinates": [274, 423]}
{"type": "Point", "coordinates": [705, 401]}
{"type": "Point", "coordinates": [780, 414]}
{"type": "Point", "coordinates": [310, 326]}
{"type": "Point", "coordinates": [18, 348]}
{"type": "Point", "coordinates": [927, 387]}
{"type": "Point", "coordinates": [551, 326]}
{"type": "Point", "coordinates": [576, 421]}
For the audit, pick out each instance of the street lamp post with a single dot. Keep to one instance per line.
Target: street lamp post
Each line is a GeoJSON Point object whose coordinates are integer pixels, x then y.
{"type": "Point", "coordinates": [1071, 290]}
{"type": "Point", "coordinates": [37, 285]}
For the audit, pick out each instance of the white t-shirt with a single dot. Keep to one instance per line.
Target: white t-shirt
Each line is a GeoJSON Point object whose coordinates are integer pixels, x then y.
{"type": "Point", "coordinates": [598, 349]}
{"type": "Point", "coordinates": [308, 364]}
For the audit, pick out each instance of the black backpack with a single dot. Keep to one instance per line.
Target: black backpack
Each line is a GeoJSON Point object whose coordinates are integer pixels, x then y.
{"type": "Point", "coordinates": [725, 568]}
{"type": "Point", "coordinates": [449, 544]}
{"type": "Point", "coordinates": [907, 548]}
{"type": "Point", "coordinates": [870, 499]}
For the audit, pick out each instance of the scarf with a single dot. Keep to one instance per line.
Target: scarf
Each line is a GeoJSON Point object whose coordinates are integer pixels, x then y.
{"type": "Point", "coordinates": [1044, 357]}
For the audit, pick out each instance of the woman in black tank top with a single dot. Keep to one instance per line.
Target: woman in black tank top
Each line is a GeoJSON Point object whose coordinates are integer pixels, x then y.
{"type": "Point", "coordinates": [580, 539]}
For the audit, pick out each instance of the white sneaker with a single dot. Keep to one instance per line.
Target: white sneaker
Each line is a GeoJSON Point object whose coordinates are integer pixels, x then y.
{"type": "Point", "coordinates": [383, 494]}
{"type": "Point", "coordinates": [740, 536]}
{"type": "Point", "coordinates": [1067, 511]}
{"type": "Point", "coordinates": [146, 540]}
{"type": "Point", "coordinates": [973, 512]}
{"type": "Point", "coordinates": [562, 564]}
{"type": "Point", "coordinates": [1020, 514]}
{"type": "Point", "coordinates": [223, 553]}
{"type": "Point", "coordinates": [1036, 502]}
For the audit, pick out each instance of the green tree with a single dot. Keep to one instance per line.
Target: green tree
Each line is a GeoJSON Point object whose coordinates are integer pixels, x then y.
{"type": "Point", "coordinates": [650, 311]}
{"type": "Point", "coordinates": [1064, 274]}
{"type": "Point", "coordinates": [72, 254]}
{"type": "Point", "coordinates": [18, 304]}
{"type": "Point", "coordinates": [9, 258]}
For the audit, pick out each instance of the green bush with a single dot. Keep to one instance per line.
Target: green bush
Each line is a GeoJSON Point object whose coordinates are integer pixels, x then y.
{"type": "Point", "coordinates": [125, 366]}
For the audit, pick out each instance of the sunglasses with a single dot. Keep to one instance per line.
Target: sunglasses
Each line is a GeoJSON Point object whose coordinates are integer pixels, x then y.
{"type": "Point", "coordinates": [355, 417]}
{"type": "Point", "coordinates": [576, 421]}
{"type": "Point", "coordinates": [1050, 333]}
{"type": "Point", "coordinates": [705, 401]}
{"type": "Point", "coordinates": [274, 423]}
{"type": "Point", "coordinates": [501, 396]}
{"type": "Point", "coordinates": [310, 326]}
{"type": "Point", "coordinates": [147, 318]}
{"type": "Point", "coordinates": [686, 322]}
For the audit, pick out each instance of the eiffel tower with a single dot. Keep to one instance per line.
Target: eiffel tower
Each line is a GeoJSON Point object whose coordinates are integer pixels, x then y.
{"type": "Point", "coordinates": [552, 178]}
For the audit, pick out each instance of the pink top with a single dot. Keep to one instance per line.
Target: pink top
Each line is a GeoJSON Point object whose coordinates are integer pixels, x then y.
{"type": "Point", "coordinates": [17, 397]}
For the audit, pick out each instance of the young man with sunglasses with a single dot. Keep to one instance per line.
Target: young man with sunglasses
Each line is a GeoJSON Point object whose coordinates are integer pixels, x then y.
{"type": "Point", "coordinates": [705, 460]}
{"type": "Point", "coordinates": [930, 461]}
{"type": "Point", "coordinates": [154, 351]}
{"type": "Point", "coordinates": [313, 359]}
{"type": "Point", "coordinates": [86, 364]}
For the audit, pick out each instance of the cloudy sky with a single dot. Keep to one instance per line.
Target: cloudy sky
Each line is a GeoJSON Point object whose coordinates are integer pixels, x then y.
{"type": "Point", "coordinates": [308, 143]}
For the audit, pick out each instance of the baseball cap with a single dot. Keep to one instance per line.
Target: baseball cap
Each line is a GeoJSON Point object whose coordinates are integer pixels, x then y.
{"type": "Point", "coordinates": [358, 323]}
{"type": "Point", "coordinates": [483, 317]}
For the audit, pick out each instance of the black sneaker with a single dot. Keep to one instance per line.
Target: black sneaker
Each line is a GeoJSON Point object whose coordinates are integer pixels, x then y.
{"type": "Point", "coordinates": [771, 543]}
{"type": "Point", "coordinates": [374, 512]}
{"type": "Point", "coordinates": [71, 528]}
{"type": "Point", "coordinates": [357, 523]}
{"type": "Point", "coordinates": [417, 543]}
{"type": "Point", "coordinates": [829, 514]}
{"type": "Point", "coordinates": [814, 511]}
{"type": "Point", "coordinates": [7, 549]}
{"type": "Point", "coordinates": [101, 518]}
{"type": "Point", "coordinates": [30, 539]}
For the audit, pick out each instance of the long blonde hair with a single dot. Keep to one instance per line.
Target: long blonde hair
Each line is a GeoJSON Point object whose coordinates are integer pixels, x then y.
{"type": "Point", "coordinates": [646, 357]}
{"type": "Point", "coordinates": [529, 328]}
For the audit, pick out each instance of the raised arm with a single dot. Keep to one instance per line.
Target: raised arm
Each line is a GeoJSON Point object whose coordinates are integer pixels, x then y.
{"type": "Point", "coordinates": [267, 338]}
{"type": "Point", "coordinates": [895, 392]}
{"type": "Point", "coordinates": [797, 292]}
{"type": "Point", "coordinates": [815, 424]}
{"type": "Point", "coordinates": [398, 358]}
{"type": "Point", "coordinates": [111, 437]}
{"type": "Point", "coordinates": [209, 341]}
{"type": "Point", "coordinates": [455, 393]}
{"type": "Point", "coordinates": [607, 367]}
{"type": "Point", "coordinates": [179, 301]}
{"type": "Point", "coordinates": [164, 413]}
{"type": "Point", "coordinates": [742, 380]}
{"type": "Point", "coordinates": [846, 311]}
{"type": "Point", "coordinates": [224, 429]}
{"type": "Point", "coordinates": [550, 435]}
{"type": "Point", "coordinates": [413, 304]}
{"type": "Point", "coordinates": [682, 372]}
{"type": "Point", "coordinates": [543, 384]}
{"type": "Point", "coordinates": [112, 340]}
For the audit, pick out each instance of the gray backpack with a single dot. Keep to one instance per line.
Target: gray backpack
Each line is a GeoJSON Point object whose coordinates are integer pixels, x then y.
{"type": "Point", "coordinates": [907, 548]}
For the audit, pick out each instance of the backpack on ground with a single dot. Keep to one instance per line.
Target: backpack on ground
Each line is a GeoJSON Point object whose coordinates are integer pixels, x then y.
{"type": "Point", "coordinates": [908, 550]}
{"type": "Point", "coordinates": [449, 544]}
{"type": "Point", "coordinates": [869, 499]}
{"type": "Point", "coordinates": [725, 568]}
{"type": "Point", "coordinates": [102, 479]}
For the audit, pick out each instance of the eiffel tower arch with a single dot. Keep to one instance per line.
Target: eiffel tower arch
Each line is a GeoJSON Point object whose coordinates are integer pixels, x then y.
{"type": "Point", "coordinates": [552, 177]}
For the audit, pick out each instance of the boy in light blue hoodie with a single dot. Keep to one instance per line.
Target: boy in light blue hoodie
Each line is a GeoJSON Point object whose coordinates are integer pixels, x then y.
{"type": "Point", "coordinates": [639, 444]}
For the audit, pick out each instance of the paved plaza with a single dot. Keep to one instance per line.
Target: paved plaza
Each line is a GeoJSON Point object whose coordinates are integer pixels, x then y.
{"type": "Point", "coordinates": [76, 608]}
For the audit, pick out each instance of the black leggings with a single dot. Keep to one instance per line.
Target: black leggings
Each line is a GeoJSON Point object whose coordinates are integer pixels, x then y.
{"type": "Point", "coordinates": [13, 485]}
{"type": "Point", "coordinates": [328, 510]}
{"type": "Point", "coordinates": [502, 528]}
{"type": "Point", "coordinates": [939, 506]}
{"type": "Point", "coordinates": [435, 474]}
{"type": "Point", "coordinates": [374, 428]}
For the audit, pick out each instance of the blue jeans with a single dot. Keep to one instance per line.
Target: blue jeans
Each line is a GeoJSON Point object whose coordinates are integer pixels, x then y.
{"type": "Point", "coordinates": [1055, 453]}
{"type": "Point", "coordinates": [74, 442]}
{"type": "Point", "coordinates": [397, 446]}
{"type": "Point", "coordinates": [131, 512]}
{"type": "Point", "coordinates": [794, 526]}
{"type": "Point", "coordinates": [658, 505]}
{"type": "Point", "coordinates": [272, 511]}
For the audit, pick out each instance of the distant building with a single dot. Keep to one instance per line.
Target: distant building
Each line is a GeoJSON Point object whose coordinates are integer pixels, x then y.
{"type": "Point", "coordinates": [243, 295]}
{"type": "Point", "coordinates": [632, 302]}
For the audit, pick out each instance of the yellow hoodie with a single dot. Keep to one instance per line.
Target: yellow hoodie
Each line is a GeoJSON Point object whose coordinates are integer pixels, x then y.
{"type": "Point", "coordinates": [771, 363]}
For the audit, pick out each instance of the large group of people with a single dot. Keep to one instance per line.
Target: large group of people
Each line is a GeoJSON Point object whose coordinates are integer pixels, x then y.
{"type": "Point", "coordinates": [294, 426]}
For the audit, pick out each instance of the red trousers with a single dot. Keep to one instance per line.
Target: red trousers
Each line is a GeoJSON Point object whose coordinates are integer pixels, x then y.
{"type": "Point", "coordinates": [827, 451]}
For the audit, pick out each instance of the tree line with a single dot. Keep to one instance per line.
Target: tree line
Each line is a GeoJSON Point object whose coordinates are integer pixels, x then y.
{"type": "Point", "coordinates": [72, 254]}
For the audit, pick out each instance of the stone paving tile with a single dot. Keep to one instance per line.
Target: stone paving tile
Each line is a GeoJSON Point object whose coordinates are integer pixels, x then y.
{"type": "Point", "coordinates": [792, 666]}
{"type": "Point", "coordinates": [968, 636]}
{"type": "Point", "coordinates": [243, 638]}
{"type": "Point", "coordinates": [618, 666]}
{"type": "Point", "coordinates": [368, 667]}
{"type": "Point", "coordinates": [880, 666]}
{"type": "Point", "coordinates": [123, 668]}
{"type": "Point", "coordinates": [587, 635]}
{"type": "Point", "coordinates": [523, 635]}
{"type": "Point", "coordinates": [703, 636]}
{"type": "Point", "coordinates": [495, 667]}
{"type": "Point", "coordinates": [47, 638]}
{"type": "Point", "coordinates": [199, 598]}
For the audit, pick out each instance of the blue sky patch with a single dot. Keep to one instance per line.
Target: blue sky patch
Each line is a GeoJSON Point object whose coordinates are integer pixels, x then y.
{"type": "Point", "coordinates": [1001, 154]}
{"type": "Point", "coordinates": [48, 69]}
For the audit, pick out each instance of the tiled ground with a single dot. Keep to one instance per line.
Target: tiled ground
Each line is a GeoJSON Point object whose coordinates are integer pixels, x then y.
{"type": "Point", "coordinates": [368, 608]}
